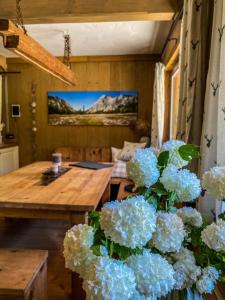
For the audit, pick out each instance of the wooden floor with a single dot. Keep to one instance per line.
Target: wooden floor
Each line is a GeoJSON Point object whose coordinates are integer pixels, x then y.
{"type": "Point", "coordinates": [47, 235]}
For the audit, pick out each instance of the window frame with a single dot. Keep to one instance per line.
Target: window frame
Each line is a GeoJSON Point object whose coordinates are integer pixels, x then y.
{"type": "Point", "coordinates": [175, 72]}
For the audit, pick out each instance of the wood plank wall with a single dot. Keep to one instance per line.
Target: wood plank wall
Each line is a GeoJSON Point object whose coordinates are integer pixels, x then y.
{"type": "Point", "coordinates": [115, 74]}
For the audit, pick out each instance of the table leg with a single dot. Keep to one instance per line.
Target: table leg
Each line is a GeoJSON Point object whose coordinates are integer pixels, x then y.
{"type": "Point", "coordinates": [106, 195]}
{"type": "Point", "coordinates": [77, 292]}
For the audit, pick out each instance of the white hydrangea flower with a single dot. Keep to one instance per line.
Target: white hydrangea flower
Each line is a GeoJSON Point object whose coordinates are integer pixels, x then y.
{"type": "Point", "coordinates": [174, 157]}
{"type": "Point", "coordinates": [214, 235]}
{"type": "Point", "coordinates": [206, 284]}
{"type": "Point", "coordinates": [186, 184]}
{"type": "Point", "coordinates": [77, 244]}
{"type": "Point", "coordinates": [190, 216]}
{"type": "Point", "coordinates": [214, 182]}
{"type": "Point", "coordinates": [129, 223]}
{"type": "Point", "coordinates": [142, 168]}
{"type": "Point", "coordinates": [169, 234]}
{"type": "Point", "coordinates": [186, 270]}
{"type": "Point", "coordinates": [153, 273]}
{"type": "Point", "coordinates": [138, 296]}
{"type": "Point", "coordinates": [109, 279]}
{"type": "Point", "coordinates": [103, 251]}
{"type": "Point", "coordinates": [180, 278]}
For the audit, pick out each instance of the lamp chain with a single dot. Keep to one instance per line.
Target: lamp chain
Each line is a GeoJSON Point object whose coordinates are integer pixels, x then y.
{"type": "Point", "coordinates": [19, 17]}
{"type": "Point", "coordinates": [67, 50]}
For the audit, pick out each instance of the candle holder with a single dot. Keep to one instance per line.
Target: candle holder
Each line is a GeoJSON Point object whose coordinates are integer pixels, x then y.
{"type": "Point", "coordinates": [57, 159]}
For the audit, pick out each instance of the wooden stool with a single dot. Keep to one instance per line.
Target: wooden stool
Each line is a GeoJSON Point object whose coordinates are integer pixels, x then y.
{"type": "Point", "coordinates": [23, 274]}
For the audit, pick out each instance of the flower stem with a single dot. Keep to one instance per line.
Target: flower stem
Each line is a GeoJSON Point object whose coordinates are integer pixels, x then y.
{"type": "Point", "coordinates": [111, 249]}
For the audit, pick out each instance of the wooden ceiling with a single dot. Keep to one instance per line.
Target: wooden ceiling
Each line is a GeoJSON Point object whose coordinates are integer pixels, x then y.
{"type": "Point", "coordinates": [68, 11]}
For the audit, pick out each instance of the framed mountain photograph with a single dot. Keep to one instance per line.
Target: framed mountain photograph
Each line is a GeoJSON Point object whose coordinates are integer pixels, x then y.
{"type": "Point", "coordinates": [93, 108]}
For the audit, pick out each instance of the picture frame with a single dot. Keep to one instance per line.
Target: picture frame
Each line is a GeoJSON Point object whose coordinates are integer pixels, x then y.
{"type": "Point", "coordinates": [92, 108]}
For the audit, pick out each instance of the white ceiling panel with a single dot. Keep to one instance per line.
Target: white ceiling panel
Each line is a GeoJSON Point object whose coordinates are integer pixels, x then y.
{"type": "Point", "coordinates": [104, 38]}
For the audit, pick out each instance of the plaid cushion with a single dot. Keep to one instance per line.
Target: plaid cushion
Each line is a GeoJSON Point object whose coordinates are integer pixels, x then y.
{"type": "Point", "coordinates": [115, 152]}
{"type": "Point", "coordinates": [129, 149]}
{"type": "Point", "coordinates": [120, 169]}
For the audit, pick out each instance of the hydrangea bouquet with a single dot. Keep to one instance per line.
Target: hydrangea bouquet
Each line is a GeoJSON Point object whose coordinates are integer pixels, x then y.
{"type": "Point", "coordinates": [145, 247]}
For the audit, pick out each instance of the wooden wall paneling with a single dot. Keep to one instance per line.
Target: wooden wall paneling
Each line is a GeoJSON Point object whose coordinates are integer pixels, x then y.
{"type": "Point", "coordinates": [3, 63]}
{"type": "Point", "coordinates": [102, 75]}
{"type": "Point", "coordinates": [16, 92]}
{"type": "Point", "coordinates": [95, 82]}
{"type": "Point", "coordinates": [146, 79]}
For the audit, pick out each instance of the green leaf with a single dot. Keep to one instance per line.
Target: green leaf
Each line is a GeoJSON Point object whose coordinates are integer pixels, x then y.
{"type": "Point", "coordinates": [188, 152]}
{"type": "Point", "coordinates": [184, 294]}
{"type": "Point", "coordinates": [222, 216]}
{"type": "Point", "coordinates": [163, 158]}
{"type": "Point", "coordinates": [94, 219]}
{"type": "Point", "coordinates": [159, 189]}
{"type": "Point", "coordinates": [174, 198]}
{"type": "Point", "coordinates": [122, 252]}
{"type": "Point", "coordinates": [96, 250]}
{"type": "Point", "coordinates": [152, 200]}
{"type": "Point", "coordinates": [99, 237]}
{"type": "Point", "coordinates": [172, 209]}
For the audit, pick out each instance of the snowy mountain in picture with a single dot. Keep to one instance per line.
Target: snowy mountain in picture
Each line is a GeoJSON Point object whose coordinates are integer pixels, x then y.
{"type": "Point", "coordinates": [120, 104]}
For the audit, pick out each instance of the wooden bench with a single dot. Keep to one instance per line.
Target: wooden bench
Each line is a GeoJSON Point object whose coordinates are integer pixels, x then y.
{"type": "Point", "coordinates": [81, 154]}
{"type": "Point", "coordinates": [23, 274]}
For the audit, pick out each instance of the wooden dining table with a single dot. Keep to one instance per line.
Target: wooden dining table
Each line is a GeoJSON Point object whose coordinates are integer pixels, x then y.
{"type": "Point", "coordinates": [70, 197]}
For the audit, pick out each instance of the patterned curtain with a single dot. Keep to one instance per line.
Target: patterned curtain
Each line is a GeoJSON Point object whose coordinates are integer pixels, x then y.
{"type": "Point", "coordinates": [158, 106]}
{"type": "Point", "coordinates": [193, 69]}
{"type": "Point", "coordinates": [213, 134]}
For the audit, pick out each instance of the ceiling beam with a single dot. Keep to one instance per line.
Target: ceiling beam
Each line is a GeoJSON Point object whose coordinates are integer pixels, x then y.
{"type": "Point", "coordinates": [69, 11]}
{"type": "Point", "coordinates": [99, 58]}
{"type": "Point", "coordinates": [16, 40]}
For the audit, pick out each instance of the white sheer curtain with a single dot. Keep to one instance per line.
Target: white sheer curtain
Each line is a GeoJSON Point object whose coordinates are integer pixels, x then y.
{"type": "Point", "coordinates": [213, 135]}
{"type": "Point", "coordinates": [158, 106]}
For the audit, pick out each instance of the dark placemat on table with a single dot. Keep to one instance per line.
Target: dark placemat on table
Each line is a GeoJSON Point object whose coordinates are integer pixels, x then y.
{"type": "Point", "coordinates": [91, 165]}
{"type": "Point", "coordinates": [48, 176]}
